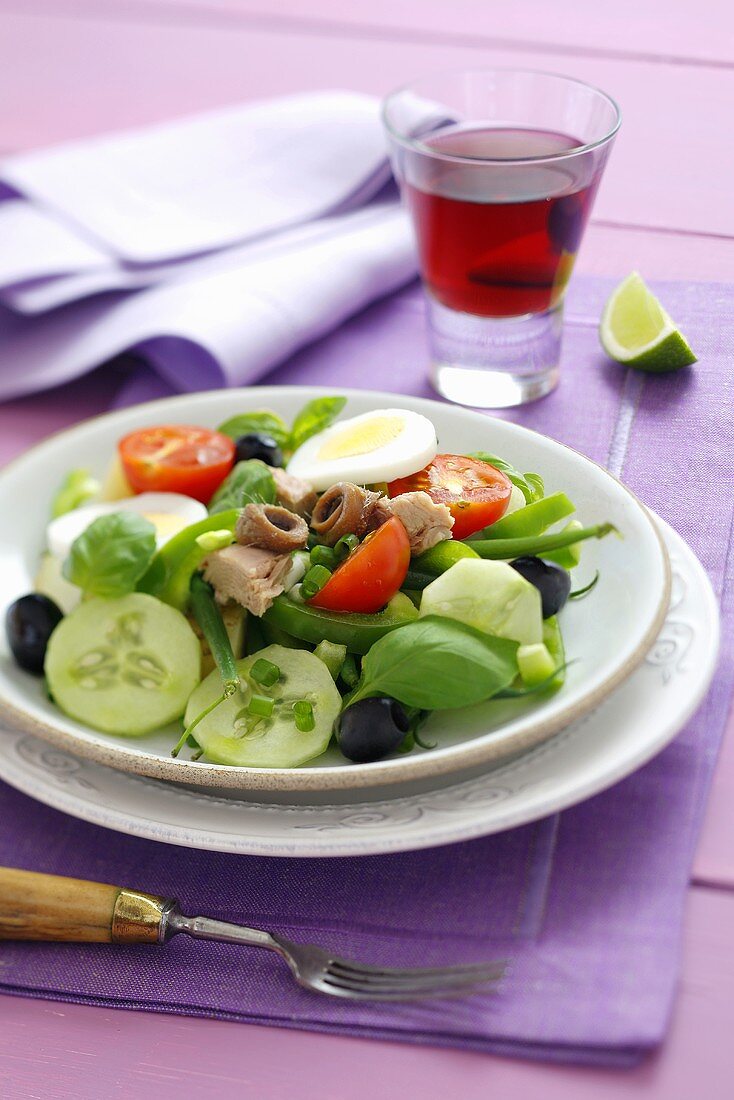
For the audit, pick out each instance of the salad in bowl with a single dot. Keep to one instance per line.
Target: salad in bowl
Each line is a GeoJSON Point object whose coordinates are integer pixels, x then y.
{"type": "Point", "coordinates": [274, 587]}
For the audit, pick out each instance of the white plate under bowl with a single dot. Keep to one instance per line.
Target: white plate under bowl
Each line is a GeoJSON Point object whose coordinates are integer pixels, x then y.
{"type": "Point", "coordinates": [607, 635]}
{"type": "Point", "coordinates": [620, 735]}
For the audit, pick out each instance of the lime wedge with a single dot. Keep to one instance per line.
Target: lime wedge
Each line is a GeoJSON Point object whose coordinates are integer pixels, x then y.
{"type": "Point", "coordinates": [636, 330]}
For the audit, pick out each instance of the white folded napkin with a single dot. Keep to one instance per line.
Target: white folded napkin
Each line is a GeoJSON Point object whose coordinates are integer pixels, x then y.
{"type": "Point", "coordinates": [205, 182]}
{"type": "Point", "coordinates": [228, 325]}
{"type": "Point", "coordinates": [236, 237]}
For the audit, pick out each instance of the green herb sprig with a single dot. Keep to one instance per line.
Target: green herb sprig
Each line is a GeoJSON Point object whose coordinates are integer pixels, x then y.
{"type": "Point", "coordinates": [437, 663]}
{"type": "Point", "coordinates": [111, 555]}
{"type": "Point", "coordinates": [316, 415]}
{"type": "Point", "coordinates": [530, 485]}
{"type": "Point", "coordinates": [250, 482]}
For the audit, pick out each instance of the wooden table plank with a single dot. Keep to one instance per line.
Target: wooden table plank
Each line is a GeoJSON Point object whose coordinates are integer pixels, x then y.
{"type": "Point", "coordinates": [144, 72]}
{"type": "Point", "coordinates": [714, 862]}
{"type": "Point", "coordinates": [699, 33]}
{"type": "Point", "coordinates": [96, 1054]}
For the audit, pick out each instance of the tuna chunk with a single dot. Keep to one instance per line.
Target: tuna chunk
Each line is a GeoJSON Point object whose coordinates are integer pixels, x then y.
{"type": "Point", "coordinates": [251, 576]}
{"type": "Point", "coordinates": [293, 493]}
{"type": "Point", "coordinates": [427, 523]}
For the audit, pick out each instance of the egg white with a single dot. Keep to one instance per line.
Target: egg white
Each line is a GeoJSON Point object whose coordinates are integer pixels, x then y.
{"type": "Point", "coordinates": [168, 512]}
{"type": "Point", "coordinates": [408, 452]}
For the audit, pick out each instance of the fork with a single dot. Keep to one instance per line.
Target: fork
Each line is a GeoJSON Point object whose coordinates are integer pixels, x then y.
{"type": "Point", "coordinates": [67, 910]}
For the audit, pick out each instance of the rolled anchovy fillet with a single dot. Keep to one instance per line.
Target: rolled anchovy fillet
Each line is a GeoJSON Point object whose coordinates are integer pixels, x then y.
{"type": "Point", "coordinates": [270, 527]}
{"type": "Point", "coordinates": [344, 509]}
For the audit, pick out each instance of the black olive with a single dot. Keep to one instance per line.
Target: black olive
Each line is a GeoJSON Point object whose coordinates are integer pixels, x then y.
{"type": "Point", "coordinates": [553, 582]}
{"type": "Point", "coordinates": [258, 445]}
{"type": "Point", "coordinates": [371, 729]}
{"type": "Point", "coordinates": [29, 623]}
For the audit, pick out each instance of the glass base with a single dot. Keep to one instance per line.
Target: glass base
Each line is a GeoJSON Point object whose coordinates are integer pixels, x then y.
{"type": "Point", "coordinates": [494, 362]}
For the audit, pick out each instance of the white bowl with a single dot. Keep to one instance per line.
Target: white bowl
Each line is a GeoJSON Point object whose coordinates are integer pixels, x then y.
{"type": "Point", "coordinates": [607, 634]}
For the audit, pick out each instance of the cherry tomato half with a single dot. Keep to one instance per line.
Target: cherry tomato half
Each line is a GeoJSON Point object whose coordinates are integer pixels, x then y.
{"type": "Point", "coordinates": [476, 493]}
{"type": "Point", "coordinates": [372, 573]}
{"type": "Point", "coordinates": [177, 458]}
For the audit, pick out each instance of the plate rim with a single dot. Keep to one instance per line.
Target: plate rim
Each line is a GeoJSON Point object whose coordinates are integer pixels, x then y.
{"type": "Point", "coordinates": [470, 754]}
{"type": "Point", "coordinates": [365, 844]}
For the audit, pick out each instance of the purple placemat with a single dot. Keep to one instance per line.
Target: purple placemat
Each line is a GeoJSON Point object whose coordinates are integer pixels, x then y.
{"type": "Point", "coordinates": [587, 903]}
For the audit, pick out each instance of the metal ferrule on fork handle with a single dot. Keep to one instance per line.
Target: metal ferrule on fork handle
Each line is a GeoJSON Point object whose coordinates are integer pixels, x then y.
{"type": "Point", "coordinates": [141, 918]}
{"type": "Point", "coordinates": [66, 910]}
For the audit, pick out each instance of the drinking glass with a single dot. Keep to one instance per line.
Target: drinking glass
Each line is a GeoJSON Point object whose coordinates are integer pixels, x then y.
{"type": "Point", "coordinates": [499, 170]}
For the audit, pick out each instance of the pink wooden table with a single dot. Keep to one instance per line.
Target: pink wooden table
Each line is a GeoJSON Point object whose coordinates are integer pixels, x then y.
{"type": "Point", "coordinates": [75, 67]}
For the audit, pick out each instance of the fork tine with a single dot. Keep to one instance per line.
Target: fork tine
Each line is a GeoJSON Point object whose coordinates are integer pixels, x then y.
{"type": "Point", "coordinates": [493, 969]}
{"type": "Point", "coordinates": [406, 993]}
{"type": "Point", "coordinates": [408, 985]}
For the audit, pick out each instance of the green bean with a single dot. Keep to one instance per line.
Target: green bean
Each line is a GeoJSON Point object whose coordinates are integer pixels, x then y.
{"type": "Point", "coordinates": [208, 616]}
{"type": "Point", "coordinates": [535, 545]}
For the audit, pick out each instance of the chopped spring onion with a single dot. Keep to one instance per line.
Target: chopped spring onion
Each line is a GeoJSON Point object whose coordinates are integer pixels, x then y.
{"type": "Point", "coordinates": [345, 545]}
{"type": "Point", "coordinates": [303, 714]}
{"type": "Point", "coordinates": [260, 706]}
{"type": "Point", "coordinates": [264, 672]}
{"type": "Point", "coordinates": [324, 555]}
{"type": "Point", "coordinates": [314, 581]}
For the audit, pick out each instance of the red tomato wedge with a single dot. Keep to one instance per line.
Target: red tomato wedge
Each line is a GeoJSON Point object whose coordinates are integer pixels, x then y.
{"type": "Point", "coordinates": [177, 458]}
{"type": "Point", "coordinates": [476, 493]}
{"type": "Point", "coordinates": [372, 573]}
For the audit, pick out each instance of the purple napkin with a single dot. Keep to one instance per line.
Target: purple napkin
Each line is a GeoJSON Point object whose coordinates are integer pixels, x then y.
{"type": "Point", "coordinates": [588, 903]}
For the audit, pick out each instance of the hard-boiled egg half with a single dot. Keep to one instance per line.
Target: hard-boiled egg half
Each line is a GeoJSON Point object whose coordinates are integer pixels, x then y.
{"type": "Point", "coordinates": [376, 446]}
{"type": "Point", "coordinates": [168, 512]}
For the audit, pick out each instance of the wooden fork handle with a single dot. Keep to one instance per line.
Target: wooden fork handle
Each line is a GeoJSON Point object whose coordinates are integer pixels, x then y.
{"type": "Point", "coordinates": [71, 910]}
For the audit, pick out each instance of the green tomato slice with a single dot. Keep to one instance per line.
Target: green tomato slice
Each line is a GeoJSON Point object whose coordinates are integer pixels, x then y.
{"type": "Point", "coordinates": [124, 666]}
{"type": "Point", "coordinates": [232, 735]}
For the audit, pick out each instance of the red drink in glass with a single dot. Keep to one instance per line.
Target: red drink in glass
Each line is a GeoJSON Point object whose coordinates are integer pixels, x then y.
{"type": "Point", "coordinates": [507, 252]}
{"type": "Point", "coordinates": [499, 169]}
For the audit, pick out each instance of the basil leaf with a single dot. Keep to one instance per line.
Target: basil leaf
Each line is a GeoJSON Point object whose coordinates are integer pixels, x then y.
{"type": "Point", "coordinates": [437, 663]}
{"type": "Point", "coordinates": [530, 485]}
{"type": "Point", "coordinates": [111, 555]}
{"type": "Point", "coordinates": [250, 482]}
{"type": "Point", "coordinates": [314, 417]}
{"type": "Point", "coordinates": [537, 485]}
{"type": "Point", "coordinates": [261, 421]}
{"type": "Point", "coordinates": [76, 488]}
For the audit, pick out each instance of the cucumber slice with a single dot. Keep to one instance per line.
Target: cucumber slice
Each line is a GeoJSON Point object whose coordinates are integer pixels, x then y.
{"type": "Point", "coordinates": [491, 596]}
{"type": "Point", "coordinates": [553, 642]}
{"type": "Point", "coordinates": [123, 666]}
{"type": "Point", "coordinates": [535, 664]}
{"type": "Point", "coordinates": [231, 735]}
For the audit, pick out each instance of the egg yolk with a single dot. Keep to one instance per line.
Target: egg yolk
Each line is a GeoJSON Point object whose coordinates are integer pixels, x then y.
{"type": "Point", "coordinates": [166, 523]}
{"type": "Point", "coordinates": [361, 439]}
